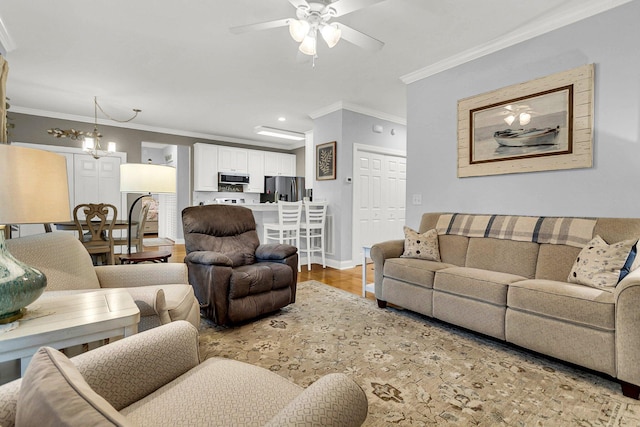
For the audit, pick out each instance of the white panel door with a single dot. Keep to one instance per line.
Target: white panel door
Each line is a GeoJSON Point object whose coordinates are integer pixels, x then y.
{"type": "Point", "coordinates": [370, 197]}
{"type": "Point", "coordinates": [97, 180]}
{"type": "Point", "coordinates": [393, 209]}
{"type": "Point", "coordinates": [379, 199]}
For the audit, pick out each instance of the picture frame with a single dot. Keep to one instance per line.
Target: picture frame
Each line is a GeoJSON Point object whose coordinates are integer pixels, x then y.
{"type": "Point", "coordinates": [539, 125]}
{"type": "Point", "coordinates": [326, 161]}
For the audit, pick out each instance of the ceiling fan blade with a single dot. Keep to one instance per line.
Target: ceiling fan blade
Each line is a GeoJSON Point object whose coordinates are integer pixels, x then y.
{"type": "Point", "coordinates": [260, 26]}
{"type": "Point", "coordinates": [342, 7]}
{"type": "Point", "coordinates": [298, 3]}
{"type": "Point", "coordinates": [359, 39]}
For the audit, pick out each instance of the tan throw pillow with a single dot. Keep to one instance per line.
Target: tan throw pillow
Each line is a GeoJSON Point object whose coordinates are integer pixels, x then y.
{"type": "Point", "coordinates": [54, 393]}
{"type": "Point", "coordinates": [422, 246]}
{"type": "Point", "coordinates": [598, 264]}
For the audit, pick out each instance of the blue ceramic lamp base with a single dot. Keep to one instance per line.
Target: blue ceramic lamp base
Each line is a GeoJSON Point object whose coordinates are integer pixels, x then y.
{"type": "Point", "coordinates": [20, 285]}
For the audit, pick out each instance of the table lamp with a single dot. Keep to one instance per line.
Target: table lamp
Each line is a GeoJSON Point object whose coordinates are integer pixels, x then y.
{"type": "Point", "coordinates": [145, 178]}
{"type": "Point", "coordinates": [34, 191]}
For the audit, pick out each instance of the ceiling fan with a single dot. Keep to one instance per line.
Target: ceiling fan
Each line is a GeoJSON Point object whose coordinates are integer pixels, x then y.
{"type": "Point", "coordinates": [314, 17]}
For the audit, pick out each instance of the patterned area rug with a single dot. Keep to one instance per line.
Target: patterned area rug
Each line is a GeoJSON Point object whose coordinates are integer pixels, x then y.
{"type": "Point", "coordinates": [417, 371]}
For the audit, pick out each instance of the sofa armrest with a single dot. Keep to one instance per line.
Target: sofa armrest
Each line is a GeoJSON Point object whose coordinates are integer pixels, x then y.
{"type": "Point", "coordinates": [208, 258]}
{"type": "Point", "coordinates": [627, 297]}
{"type": "Point", "coordinates": [127, 370]}
{"type": "Point", "coordinates": [136, 275]}
{"type": "Point", "coordinates": [380, 252]}
{"type": "Point", "coordinates": [334, 399]}
{"type": "Point", "coordinates": [274, 252]}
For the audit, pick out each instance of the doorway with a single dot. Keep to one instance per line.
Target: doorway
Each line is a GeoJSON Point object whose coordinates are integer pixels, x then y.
{"type": "Point", "coordinates": [379, 196]}
{"type": "Point", "coordinates": [161, 219]}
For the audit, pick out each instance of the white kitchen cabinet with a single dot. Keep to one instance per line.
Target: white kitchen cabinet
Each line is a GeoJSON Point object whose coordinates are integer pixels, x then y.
{"type": "Point", "coordinates": [279, 164]}
{"type": "Point", "coordinates": [255, 163]}
{"type": "Point", "coordinates": [205, 167]}
{"type": "Point", "coordinates": [234, 160]}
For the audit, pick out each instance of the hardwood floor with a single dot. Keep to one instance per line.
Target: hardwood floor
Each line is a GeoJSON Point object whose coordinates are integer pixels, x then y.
{"type": "Point", "coordinates": [349, 280]}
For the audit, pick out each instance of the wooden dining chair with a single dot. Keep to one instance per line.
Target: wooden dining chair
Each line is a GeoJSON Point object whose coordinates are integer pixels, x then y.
{"type": "Point", "coordinates": [95, 229]}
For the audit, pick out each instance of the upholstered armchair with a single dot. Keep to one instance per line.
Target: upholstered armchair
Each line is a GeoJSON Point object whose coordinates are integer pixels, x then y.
{"type": "Point", "coordinates": [155, 378]}
{"type": "Point", "coordinates": [234, 277]}
{"type": "Point", "coordinates": [161, 291]}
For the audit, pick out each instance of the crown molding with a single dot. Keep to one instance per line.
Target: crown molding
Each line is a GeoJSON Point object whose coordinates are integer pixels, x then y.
{"type": "Point", "coordinates": [586, 10]}
{"type": "Point", "coordinates": [84, 119]}
{"type": "Point", "coordinates": [341, 105]}
{"type": "Point", "coordinates": [6, 42]}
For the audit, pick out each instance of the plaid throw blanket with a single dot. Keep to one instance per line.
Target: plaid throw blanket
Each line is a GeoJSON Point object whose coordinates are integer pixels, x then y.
{"type": "Point", "coordinates": [556, 230]}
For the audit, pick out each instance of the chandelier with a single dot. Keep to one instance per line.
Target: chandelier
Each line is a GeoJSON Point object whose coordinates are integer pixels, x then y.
{"type": "Point", "coordinates": [91, 140]}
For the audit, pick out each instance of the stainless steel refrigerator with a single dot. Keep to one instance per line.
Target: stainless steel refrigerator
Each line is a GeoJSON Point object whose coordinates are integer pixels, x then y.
{"type": "Point", "coordinates": [285, 188]}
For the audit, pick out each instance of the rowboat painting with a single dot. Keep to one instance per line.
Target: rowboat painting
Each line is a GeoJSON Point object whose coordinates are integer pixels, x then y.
{"type": "Point", "coordinates": [527, 137]}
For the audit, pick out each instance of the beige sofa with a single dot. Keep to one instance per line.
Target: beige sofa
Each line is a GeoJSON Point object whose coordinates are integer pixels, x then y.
{"type": "Point", "coordinates": [507, 277]}
{"type": "Point", "coordinates": [155, 378]}
{"type": "Point", "coordinates": [161, 291]}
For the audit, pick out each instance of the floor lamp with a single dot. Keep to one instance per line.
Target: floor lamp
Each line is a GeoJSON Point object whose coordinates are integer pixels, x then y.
{"type": "Point", "coordinates": [34, 191]}
{"type": "Point", "coordinates": [145, 178]}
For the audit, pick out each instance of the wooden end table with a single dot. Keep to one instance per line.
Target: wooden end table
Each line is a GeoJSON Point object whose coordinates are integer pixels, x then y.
{"type": "Point", "coordinates": [153, 256]}
{"type": "Point", "coordinates": [62, 319]}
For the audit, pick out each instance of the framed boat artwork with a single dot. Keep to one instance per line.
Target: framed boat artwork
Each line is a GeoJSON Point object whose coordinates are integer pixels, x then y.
{"type": "Point", "coordinates": [542, 124]}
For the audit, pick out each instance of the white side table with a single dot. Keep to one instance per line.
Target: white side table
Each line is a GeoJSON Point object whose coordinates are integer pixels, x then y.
{"type": "Point", "coordinates": [366, 287]}
{"type": "Point", "coordinates": [64, 319]}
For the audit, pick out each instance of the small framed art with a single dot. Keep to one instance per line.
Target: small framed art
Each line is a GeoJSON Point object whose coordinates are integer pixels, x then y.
{"type": "Point", "coordinates": [326, 161]}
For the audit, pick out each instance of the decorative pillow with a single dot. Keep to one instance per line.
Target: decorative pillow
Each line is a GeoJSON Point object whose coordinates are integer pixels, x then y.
{"type": "Point", "coordinates": [54, 393]}
{"type": "Point", "coordinates": [422, 246]}
{"type": "Point", "coordinates": [631, 263]}
{"type": "Point", "coordinates": [599, 264]}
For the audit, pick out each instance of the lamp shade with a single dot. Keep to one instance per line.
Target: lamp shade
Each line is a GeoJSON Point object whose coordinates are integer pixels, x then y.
{"type": "Point", "coordinates": [35, 188]}
{"type": "Point", "coordinates": [146, 178]}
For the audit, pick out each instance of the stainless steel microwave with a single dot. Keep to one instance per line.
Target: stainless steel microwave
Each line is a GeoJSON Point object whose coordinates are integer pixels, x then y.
{"type": "Point", "coordinates": [233, 178]}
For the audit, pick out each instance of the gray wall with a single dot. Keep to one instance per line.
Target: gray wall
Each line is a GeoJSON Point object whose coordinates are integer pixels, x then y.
{"type": "Point", "coordinates": [348, 128]}
{"type": "Point", "coordinates": [608, 40]}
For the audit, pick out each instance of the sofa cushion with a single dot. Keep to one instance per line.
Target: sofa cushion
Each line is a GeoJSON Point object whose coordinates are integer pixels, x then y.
{"type": "Point", "coordinates": [421, 246]}
{"type": "Point", "coordinates": [566, 301]}
{"type": "Point", "coordinates": [215, 392]}
{"type": "Point", "coordinates": [53, 392]}
{"type": "Point", "coordinates": [598, 264]}
{"type": "Point", "coordinates": [416, 271]}
{"type": "Point", "coordinates": [555, 261]}
{"type": "Point", "coordinates": [453, 249]}
{"type": "Point", "coordinates": [506, 256]}
{"type": "Point", "coordinates": [481, 285]}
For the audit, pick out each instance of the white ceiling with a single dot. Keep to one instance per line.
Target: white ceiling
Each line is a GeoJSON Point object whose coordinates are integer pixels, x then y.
{"type": "Point", "coordinates": [177, 61]}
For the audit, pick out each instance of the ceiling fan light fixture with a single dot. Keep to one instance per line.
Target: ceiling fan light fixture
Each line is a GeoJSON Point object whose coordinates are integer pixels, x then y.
{"type": "Point", "coordinates": [298, 29]}
{"type": "Point", "coordinates": [308, 45]}
{"type": "Point", "coordinates": [331, 34]}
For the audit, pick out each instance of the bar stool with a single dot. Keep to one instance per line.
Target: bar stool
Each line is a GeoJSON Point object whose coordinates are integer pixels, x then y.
{"type": "Point", "coordinates": [287, 230]}
{"type": "Point", "coordinates": [312, 230]}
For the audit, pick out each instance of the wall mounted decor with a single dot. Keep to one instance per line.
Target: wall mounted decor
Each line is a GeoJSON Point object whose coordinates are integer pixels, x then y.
{"type": "Point", "coordinates": [326, 161]}
{"type": "Point", "coordinates": [542, 124]}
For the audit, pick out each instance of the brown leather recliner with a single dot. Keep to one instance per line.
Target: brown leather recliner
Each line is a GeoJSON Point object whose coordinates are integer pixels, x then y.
{"type": "Point", "coordinates": [234, 277]}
